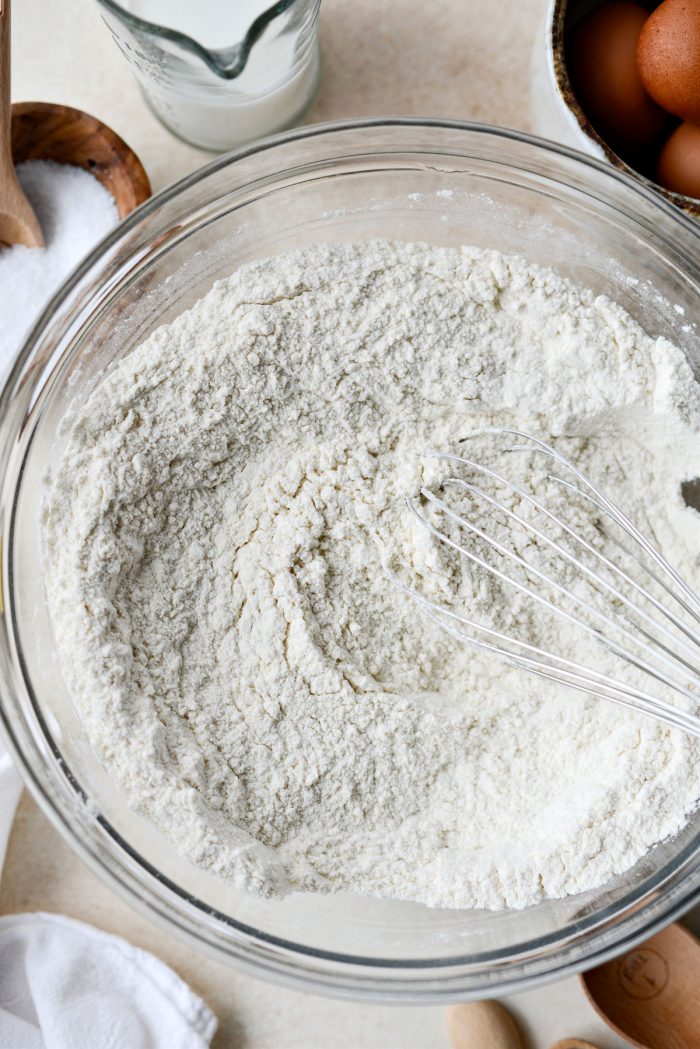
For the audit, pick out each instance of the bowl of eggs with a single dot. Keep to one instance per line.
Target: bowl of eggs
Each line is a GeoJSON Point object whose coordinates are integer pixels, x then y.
{"type": "Point", "coordinates": [620, 79]}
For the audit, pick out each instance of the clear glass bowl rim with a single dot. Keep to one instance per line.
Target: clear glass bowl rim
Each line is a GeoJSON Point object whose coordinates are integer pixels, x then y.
{"type": "Point", "coordinates": [617, 928]}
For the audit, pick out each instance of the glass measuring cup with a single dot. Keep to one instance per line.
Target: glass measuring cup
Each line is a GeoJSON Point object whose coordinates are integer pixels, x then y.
{"type": "Point", "coordinates": [220, 73]}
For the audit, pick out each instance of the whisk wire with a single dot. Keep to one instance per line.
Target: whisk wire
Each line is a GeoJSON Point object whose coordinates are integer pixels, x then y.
{"type": "Point", "coordinates": [640, 564]}
{"type": "Point", "coordinates": [630, 632]}
{"type": "Point", "coordinates": [577, 563]}
{"type": "Point", "coordinates": [615, 512]}
{"type": "Point", "coordinates": [540, 598]}
{"type": "Point", "coordinates": [494, 475]}
{"type": "Point", "coordinates": [570, 673]}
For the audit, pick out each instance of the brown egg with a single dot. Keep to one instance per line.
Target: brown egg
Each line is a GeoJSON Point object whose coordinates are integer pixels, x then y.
{"type": "Point", "coordinates": [668, 56]}
{"type": "Point", "coordinates": [678, 167]}
{"type": "Point", "coordinates": [602, 62]}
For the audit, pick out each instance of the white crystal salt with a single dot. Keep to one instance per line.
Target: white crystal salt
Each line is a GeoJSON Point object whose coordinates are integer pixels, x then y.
{"type": "Point", "coordinates": [74, 211]}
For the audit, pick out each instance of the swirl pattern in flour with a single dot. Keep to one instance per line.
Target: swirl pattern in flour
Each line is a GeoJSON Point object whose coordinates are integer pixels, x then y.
{"type": "Point", "coordinates": [214, 540]}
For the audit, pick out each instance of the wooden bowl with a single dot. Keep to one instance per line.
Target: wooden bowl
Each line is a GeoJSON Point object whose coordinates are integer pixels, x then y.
{"type": "Point", "coordinates": [45, 131]}
{"type": "Point", "coordinates": [649, 996]}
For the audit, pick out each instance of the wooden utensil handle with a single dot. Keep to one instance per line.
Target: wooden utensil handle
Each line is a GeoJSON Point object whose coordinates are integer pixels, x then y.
{"type": "Point", "coordinates": [573, 1043]}
{"type": "Point", "coordinates": [5, 118]}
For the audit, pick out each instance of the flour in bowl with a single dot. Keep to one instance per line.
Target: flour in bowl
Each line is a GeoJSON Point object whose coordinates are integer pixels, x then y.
{"type": "Point", "coordinates": [214, 536]}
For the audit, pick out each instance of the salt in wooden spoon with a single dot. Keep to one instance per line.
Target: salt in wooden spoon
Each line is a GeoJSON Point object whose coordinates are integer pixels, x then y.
{"type": "Point", "coordinates": [18, 223]}
{"type": "Point", "coordinates": [46, 131]}
{"type": "Point", "coordinates": [651, 995]}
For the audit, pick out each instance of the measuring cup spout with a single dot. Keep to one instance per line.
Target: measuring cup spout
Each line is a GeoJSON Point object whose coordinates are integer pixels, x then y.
{"type": "Point", "coordinates": [220, 74]}
{"type": "Point", "coordinates": [227, 62]}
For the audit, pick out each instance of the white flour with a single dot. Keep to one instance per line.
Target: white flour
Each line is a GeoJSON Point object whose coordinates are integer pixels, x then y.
{"type": "Point", "coordinates": [240, 662]}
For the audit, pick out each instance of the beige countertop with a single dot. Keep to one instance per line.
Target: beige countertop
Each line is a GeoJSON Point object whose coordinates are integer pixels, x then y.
{"type": "Point", "coordinates": [450, 58]}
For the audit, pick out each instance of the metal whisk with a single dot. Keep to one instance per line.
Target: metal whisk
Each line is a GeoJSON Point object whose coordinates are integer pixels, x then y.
{"type": "Point", "coordinates": [633, 603]}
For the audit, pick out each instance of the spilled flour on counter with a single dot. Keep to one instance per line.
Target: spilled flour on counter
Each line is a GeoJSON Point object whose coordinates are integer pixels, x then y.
{"type": "Point", "coordinates": [214, 537]}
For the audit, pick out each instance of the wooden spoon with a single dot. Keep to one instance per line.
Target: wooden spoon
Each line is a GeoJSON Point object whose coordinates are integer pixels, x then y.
{"type": "Point", "coordinates": [573, 1043]}
{"type": "Point", "coordinates": [650, 995]}
{"type": "Point", "coordinates": [482, 1025]}
{"type": "Point", "coordinates": [45, 131]}
{"type": "Point", "coordinates": [18, 223]}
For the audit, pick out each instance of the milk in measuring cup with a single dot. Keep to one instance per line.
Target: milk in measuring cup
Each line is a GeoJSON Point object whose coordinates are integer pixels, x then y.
{"type": "Point", "coordinates": [202, 104]}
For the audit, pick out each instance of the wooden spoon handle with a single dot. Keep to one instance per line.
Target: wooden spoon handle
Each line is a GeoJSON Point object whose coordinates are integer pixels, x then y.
{"type": "Point", "coordinates": [5, 117]}
{"type": "Point", "coordinates": [482, 1025]}
{"type": "Point", "coordinates": [573, 1043]}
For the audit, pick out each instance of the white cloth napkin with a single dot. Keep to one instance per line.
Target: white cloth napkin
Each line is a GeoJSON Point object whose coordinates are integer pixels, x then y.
{"type": "Point", "coordinates": [65, 985]}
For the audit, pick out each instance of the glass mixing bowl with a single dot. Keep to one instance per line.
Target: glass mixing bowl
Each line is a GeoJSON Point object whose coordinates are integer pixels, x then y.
{"type": "Point", "coordinates": [442, 182]}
